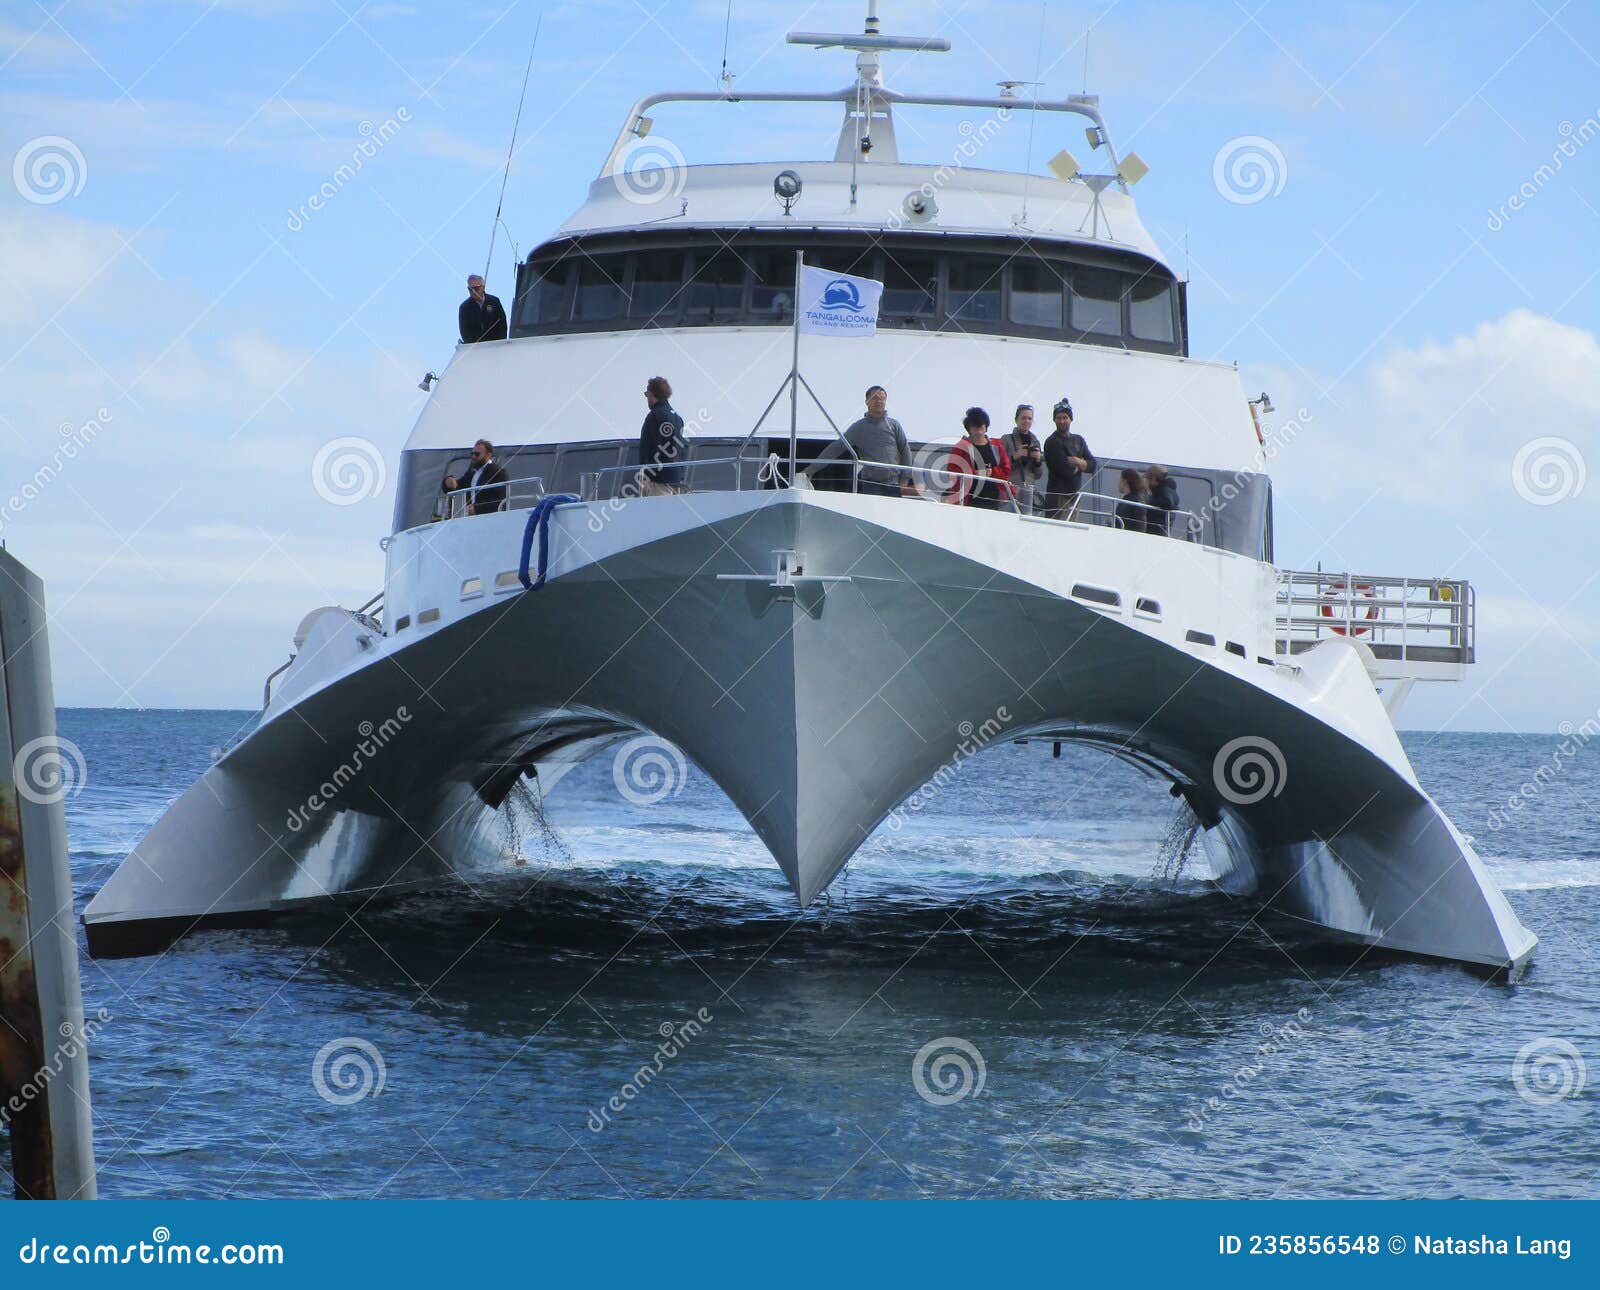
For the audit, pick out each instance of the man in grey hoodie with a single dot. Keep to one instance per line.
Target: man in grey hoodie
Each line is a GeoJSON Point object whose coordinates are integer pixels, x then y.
{"type": "Point", "coordinates": [876, 437]}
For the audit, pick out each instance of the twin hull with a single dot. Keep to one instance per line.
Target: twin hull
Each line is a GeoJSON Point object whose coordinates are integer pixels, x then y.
{"type": "Point", "coordinates": [818, 700]}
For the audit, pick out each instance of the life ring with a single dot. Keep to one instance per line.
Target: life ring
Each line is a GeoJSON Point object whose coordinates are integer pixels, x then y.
{"type": "Point", "coordinates": [1337, 600]}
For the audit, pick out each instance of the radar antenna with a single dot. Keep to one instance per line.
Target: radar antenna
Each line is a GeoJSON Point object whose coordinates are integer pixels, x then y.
{"type": "Point", "coordinates": [856, 137]}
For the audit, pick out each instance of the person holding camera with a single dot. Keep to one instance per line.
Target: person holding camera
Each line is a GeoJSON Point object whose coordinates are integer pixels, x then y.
{"type": "Point", "coordinates": [1027, 457]}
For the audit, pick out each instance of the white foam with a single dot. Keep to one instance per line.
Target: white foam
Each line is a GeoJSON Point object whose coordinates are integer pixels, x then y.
{"type": "Point", "coordinates": [1536, 875]}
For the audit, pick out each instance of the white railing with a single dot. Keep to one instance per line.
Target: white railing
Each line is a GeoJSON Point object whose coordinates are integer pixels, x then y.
{"type": "Point", "coordinates": [1417, 620]}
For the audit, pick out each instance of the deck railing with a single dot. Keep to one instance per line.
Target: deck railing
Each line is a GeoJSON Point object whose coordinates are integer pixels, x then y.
{"type": "Point", "coordinates": [1418, 620]}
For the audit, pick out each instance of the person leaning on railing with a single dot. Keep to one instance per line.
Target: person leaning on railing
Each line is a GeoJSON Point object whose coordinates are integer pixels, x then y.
{"type": "Point", "coordinates": [980, 467]}
{"type": "Point", "coordinates": [1163, 497]}
{"type": "Point", "coordinates": [876, 437]}
{"type": "Point", "coordinates": [1068, 460]}
{"type": "Point", "coordinates": [484, 481]}
{"type": "Point", "coordinates": [1134, 512]}
{"type": "Point", "coordinates": [1027, 457]}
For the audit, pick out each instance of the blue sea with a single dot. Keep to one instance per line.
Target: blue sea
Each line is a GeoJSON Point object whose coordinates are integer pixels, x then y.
{"type": "Point", "coordinates": [634, 1007]}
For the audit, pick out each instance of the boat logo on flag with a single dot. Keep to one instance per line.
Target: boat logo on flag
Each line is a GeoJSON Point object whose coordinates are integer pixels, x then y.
{"type": "Point", "coordinates": [838, 304]}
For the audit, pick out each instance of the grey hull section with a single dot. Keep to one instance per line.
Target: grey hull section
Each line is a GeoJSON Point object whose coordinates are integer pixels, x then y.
{"type": "Point", "coordinates": [818, 715]}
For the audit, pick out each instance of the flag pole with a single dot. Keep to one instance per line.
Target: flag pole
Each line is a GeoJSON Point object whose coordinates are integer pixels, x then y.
{"type": "Point", "coordinates": [794, 369]}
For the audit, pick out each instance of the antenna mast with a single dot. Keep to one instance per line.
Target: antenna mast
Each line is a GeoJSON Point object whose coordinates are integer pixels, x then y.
{"type": "Point", "coordinates": [511, 148]}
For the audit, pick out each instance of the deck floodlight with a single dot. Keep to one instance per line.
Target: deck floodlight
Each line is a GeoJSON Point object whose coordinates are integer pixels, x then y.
{"type": "Point", "coordinates": [786, 188]}
{"type": "Point", "coordinates": [1131, 169]}
{"type": "Point", "coordinates": [1095, 135]}
{"type": "Point", "coordinates": [1264, 402]}
{"type": "Point", "coordinates": [426, 383]}
{"type": "Point", "coordinates": [643, 126]}
{"type": "Point", "coordinates": [1063, 165]}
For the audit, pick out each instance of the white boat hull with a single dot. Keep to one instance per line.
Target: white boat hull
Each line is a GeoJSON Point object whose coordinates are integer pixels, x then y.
{"type": "Point", "coordinates": [818, 707]}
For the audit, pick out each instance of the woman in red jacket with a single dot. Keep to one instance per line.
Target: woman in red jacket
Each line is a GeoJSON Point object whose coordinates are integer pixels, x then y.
{"type": "Point", "coordinates": [981, 467]}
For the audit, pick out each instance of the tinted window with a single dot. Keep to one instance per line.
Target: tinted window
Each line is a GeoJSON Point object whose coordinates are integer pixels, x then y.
{"type": "Point", "coordinates": [910, 285]}
{"type": "Point", "coordinates": [657, 277]}
{"type": "Point", "coordinates": [599, 292]}
{"type": "Point", "coordinates": [1036, 295]}
{"type": "Point", "coordinates": [546, 300]}
{"type": "Point", "coordinates": [772, 292]}
{"type": "Point", "coordinates": [1097, 301]}
{"type": "Point", "coordinates": [861, 261]}
{"type": "Point", "coordinates": [975, 288]}
{"type": "Point", "coordinates": [716, 287]}
{"type": "Point", "coordinates": [1150, 309]}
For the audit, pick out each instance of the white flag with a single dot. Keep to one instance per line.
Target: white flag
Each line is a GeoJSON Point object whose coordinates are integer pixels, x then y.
{"type": "Point", "coordinates": [838, 304]}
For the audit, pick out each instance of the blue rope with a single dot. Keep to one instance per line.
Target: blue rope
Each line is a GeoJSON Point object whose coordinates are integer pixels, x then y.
{"type": "Point", "coordinates": [539, 520]}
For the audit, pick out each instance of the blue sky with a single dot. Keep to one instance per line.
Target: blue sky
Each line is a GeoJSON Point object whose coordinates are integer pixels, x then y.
{"type": "Point", "coordinates": [1430, 331]}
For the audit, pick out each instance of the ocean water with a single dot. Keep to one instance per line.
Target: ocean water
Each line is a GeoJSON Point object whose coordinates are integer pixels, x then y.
{"type": "Point", "coordinates": [976, 1009]}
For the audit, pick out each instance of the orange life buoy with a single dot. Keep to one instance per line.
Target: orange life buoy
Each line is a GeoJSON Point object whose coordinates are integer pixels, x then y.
{"type": "Point", "coordinates": [1336, 600]}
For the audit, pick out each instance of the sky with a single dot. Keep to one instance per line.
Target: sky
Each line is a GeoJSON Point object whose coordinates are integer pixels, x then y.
{"type": "Point", "coordinates": [1389, 215]}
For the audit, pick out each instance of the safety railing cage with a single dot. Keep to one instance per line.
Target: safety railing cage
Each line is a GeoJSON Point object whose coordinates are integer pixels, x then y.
{"type": "Point", "coordinates": [1415, 620]}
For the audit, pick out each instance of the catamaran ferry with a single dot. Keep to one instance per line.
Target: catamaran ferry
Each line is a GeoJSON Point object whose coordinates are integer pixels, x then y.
{"type": "Point", "coordinates": [821, 652]}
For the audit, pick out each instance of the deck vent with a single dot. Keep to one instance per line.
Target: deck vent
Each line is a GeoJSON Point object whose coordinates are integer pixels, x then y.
{"type": "Point", "coordinates": [1233, 647]}
{"type": "Point", "coordinates": [1144, 605]}
{"type": "Point", "coordinates": [402, 622]}
{"type": "Point", "coordinates": [427, 616]}
{"type": "Point", "coordinates": [506, 580]}
{"type": "Point", "coordinates": [1096, 595]}
{"type": "Point", "coordinates": [1199, 638]}
{"type": "Point", "coordinates": [471, 587]}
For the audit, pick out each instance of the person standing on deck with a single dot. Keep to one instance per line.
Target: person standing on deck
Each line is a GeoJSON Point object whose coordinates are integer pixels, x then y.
{"type": "Point", "coordinates": [1068, 460]}
{"type": "Point", "coordinates": [1027, 457]}
{"type": "Point", "coordinates": [661, 442]}
{"type": "Point", "coordinates": [876, 437]}
{"type": "Point", "coordinates": [481, 316]}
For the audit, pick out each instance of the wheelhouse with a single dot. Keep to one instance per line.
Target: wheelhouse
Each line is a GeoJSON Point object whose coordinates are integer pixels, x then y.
{"type": "Point", "coordinates": [1000, 286]}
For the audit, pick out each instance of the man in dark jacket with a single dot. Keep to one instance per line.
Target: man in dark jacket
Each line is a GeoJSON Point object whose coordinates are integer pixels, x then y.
{"type": "Point", "coordinates": [481, 316]}
{"type": "Point", "coordinates": [1068, 460]}
{"type": "Point", "coordinates": [484, 481]}
{"type": "Point", "coordinates": [1163, 496]}
{"type": "Point", "coordinates": [660, 442]}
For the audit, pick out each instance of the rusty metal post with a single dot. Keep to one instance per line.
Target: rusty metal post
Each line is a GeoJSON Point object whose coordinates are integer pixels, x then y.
{"type": "Point", "coordinates": [44, 1068]}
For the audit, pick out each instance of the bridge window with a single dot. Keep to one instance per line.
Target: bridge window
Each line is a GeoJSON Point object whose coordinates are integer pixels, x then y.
{"type": "Point", "coordinates": [975, 289]}
{"type": "Point", "coordinates": [1036, 294]}
{"type": "Point", "coordinates": [599, 293]}
{"type": "Point", "coordinates": [546, 300]}
{"type": "Point", "coordinates": [716, 286]}
{"type": "Point", "coordinates": [994, 286]}
{"type": "Point", "coordinates": [1150, 308]}
{"type": "Point", "coordinates": [771, 286]}
{"type": "Point", "coordinates": [1097, 301]}
{"type": "Point", "coordinates": [657, 276]}
{"type": "Point", "coordinates": [910, 286]}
